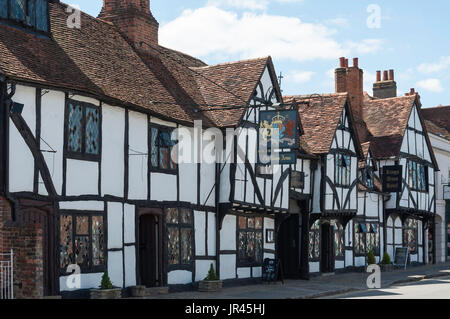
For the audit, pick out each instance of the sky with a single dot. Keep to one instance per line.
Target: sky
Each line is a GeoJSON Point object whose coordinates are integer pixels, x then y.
{"type": "Point", "coordinates": [305, 38]}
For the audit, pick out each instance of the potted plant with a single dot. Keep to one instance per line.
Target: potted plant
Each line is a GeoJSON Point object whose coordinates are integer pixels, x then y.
{"type": "Point", "coordinates": [371, 258]}
{"type": "Point", "coordinates": [106, 289]}
{"type": "Point", "coordinates": [211, 283]}
{"type": "Point", "coordinates": [386, 264]}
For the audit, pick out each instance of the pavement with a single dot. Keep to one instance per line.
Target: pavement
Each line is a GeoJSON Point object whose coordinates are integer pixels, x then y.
{"type": "Point", "coordinates": [317, 287]}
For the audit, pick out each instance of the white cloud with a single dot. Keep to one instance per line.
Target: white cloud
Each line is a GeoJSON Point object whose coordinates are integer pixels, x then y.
{"type": "Point", "coordinates": [300, 76]}
{"type": "Point", "coordinates": [212, 31]}
{"type": "Point", "coordinates": [432, 85]}
{"type": "Point", "coordinates": [247, 4]}
{"type": "Point", "coordinates": [428, 68]}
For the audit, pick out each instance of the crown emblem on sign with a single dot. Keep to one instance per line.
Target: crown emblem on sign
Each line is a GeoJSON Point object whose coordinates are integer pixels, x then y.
{"type": "Point", "coordinates": [278, 119]}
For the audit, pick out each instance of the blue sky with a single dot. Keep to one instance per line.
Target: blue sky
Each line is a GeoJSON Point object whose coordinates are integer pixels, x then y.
{"type": "Point", "coordinates": [305, 38]}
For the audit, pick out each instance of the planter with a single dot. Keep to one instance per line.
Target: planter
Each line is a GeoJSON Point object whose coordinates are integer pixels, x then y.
{"type": "Point", "coordinates": [138, 291]}
{"type": "Point", "coordinates": [387, 267]}
{"type": "Point", "coordinates": [115, 293]}
{"type": "Point", "coordinates": [210, 286]}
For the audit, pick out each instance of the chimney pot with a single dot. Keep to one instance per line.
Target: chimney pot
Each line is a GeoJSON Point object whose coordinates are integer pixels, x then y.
{"type": "Point", "coordinates": [378, 76]}
{"type": "Point", "coordinates": [385, 75]}
{"type": "Point", "coordinates": [342, 62]}
{"type": "Point", "coordinates": [355, 62]}
{"type": "Point", "coordinates": [391, 75]}
{"type": "Point", "coordinates": [413, 91]}
{"type": "Point", "coordinates": [346, 63]}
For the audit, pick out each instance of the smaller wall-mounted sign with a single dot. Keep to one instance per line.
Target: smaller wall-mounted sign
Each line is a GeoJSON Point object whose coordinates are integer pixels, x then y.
{"type": "Point", "coordinates": [392, 179]}
{"type": "Point", "coordinates": [297, 180]}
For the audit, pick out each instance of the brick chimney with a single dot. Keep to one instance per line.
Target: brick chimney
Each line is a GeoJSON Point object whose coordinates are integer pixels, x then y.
{"type": "Point", "coordinates": [134, 21]}
{"type": "Point", "coordinates": [351, 80]}
{"type": "Point", "coordinates": [386, 88]}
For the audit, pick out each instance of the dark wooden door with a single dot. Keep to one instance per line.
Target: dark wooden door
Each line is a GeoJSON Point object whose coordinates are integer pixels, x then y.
{"type": "Point", "coordinates": [150, 250]}
{"type": "Point", "coordinates": [327, 253]}
{"type": "Point", "coordinates": [289, 247]}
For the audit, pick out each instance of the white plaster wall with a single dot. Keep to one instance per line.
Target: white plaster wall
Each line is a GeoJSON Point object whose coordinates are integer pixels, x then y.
{"type": "Point", "coordinates": [269, 223]}
{"type": "Point", "coordinates": [82, 178]}
{"type": "Point", "coordinates": [228, 234]}
{"type": "Point", "coordinates": [86, 99]}
{"type": "Point", "coordinates": [130, 224]}
{"type": "Point", "coordinates": [83, 205]}
{"type": "Point", "coordinates": [314, 267]}
{"type": "Point", "coordinates": [360, 261]}
{"type": "Point", "coordinates": [87, 281]}
{"type": "Point", "coordinates": [130, 266]}
{"type": "Point", "coordinates": [162, 122]}
{"type": "Point", "coordinates": [115, 268]}
{"type": "Point", "coordinates": [202, 268]}
{"type": "Point", "coordinates": [115, 215]}
{"type": "Point", "coordinates": [138, 164]}
{"type": "Point", "coordinates": [339, 264]}
{"type": "Point", "coordinates": [257, 272]}
{"type": "Point", "coordinates": [200, 224]}
{"type": "Point", "coordinates": [179, 277]}
{"type": "Point", "coordinates": [21, 161]}
{"type": "Point", "coordinates": [243, 272]}
{"type": "Point", "coordinates": [211, 234]}
{"type": "Point", "coordinates": [163, 187]}
{"type": "Point", "coordinates": [113, 128]}
{"type": "Point", "coordinates": [52, 132]}
{"type": "Point", "coordinates": [227, 267]}
{"type": "Point", "coordinates": [207, 181]}
{"type": "Point", "coordinates": [349, 258]}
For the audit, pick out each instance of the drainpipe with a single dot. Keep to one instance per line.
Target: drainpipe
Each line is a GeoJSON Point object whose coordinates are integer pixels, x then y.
{"type": "Point", "coordinates": [5, 102]}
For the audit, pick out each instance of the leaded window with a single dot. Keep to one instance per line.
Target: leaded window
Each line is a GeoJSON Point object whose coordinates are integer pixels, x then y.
{"type": "Point", "coordinates": [82, 241]}
{"type": "Point", "coordinates": [180, 237]}
{"type": "Point", "coordinates": [83, 130]}
{"type": "Point", "coordinates": [410, 234]}
{"type": "Point", "coordinates": [367, 238]}
{"type": "Point", "coordinates": [314, 242]}
{"type": "Point", "coordinates": [161, 146]}
{"type": "Point", "coordinates": [417, 176]}
{"type": "Point", "coordinates": [250, 240]}
{"type": "Point", "coordinates": [339, 245]}
{"type": "Point", "coordinates": [367, 175]}
{"type": "Point", "coordinates": [343, 170]}
{"type": "Point", "coordinates": [28, 13]}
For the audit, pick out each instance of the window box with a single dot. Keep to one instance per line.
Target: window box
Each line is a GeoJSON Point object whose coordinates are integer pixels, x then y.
{"type": "Point", "coordinates": [210, 286]}
{"type": "Point", "coordinates": [115, 293]}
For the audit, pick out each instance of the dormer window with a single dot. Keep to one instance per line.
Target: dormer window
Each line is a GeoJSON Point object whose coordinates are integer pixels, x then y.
{"type": "Point", "coordinates": [26, 13]}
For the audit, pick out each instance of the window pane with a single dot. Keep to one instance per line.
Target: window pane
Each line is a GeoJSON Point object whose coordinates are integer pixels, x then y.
{"type": "Point", "coordinates": [242, 222]}
{"type": "Point", "coordinates": [259, 223]}
{"type": "Point", "coordinates": [75, 120]}
{"type": "Point", "coordinates": [174, 244]}
{"type": "Point", "coordinates": [172, 216]}
{"type": "Point", "coordinates": [251, 223]}
{"type": "Point", "coordinates": [18, 9]}
{"type": "Point", "coordinates": [258, 247]}
{"type": "Point", "coordinates": [82, 251]}
{"type": "Point", "coordinates": [250, 251]}
{"type": "Point", "coordinates": [41, 15]}
{"type": "Point", "coordinates": [186, 216]}
{"type": "Point", "coordinates": [316, 245]}
{"type": "Point", "coordinates": [311, 245]}
{"type": "Point", "coordinates": [92, 131]}
{"type": "Point", "coordinates": [31, 18]}
{"type": "Point", "coordinates": [186, 246]}
{"type": "Point", "coordinates": [164, 158]}
{"type": "Point", "coordinates": [66, 241]}
{"type": "Point", "coordinates": [98, 241]}
{"type": "Point", "coordinates": [154, 147]}
{"type": "Point", "coordinates": [82, 225]}
{"type": "Point", "coordinates": [242, 245]}
{"type": "Point", "coordinates": [3, 8]}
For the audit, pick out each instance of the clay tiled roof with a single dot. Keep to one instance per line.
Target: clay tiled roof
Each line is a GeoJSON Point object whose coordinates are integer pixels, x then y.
{"type": "Point", "coordinates": [97, 60]}
{"type": "Point", "coordinates": [320, 115]}
{"type": "Point", "coordinates": [437, 120]}
{"type": "Point", "coordinates": [230, 84]}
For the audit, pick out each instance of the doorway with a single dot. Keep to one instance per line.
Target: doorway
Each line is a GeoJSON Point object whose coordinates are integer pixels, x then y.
{"type": "Point", "coordinates": [289, 247]}
{"type": "Point", "coordinates": [327, 247]}
{"type": "Point", "coordinates": [150, 250]}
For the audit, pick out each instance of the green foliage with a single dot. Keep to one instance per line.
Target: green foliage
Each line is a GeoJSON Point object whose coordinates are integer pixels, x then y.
{"type": "Point", "coordinates": [106, 282]}
{"type": "Point", "coordinates": [386, 259]}
{"type": "Point", "coordinates": [211, 274]}
{"type": "Point", "coordinates": [371, 258]}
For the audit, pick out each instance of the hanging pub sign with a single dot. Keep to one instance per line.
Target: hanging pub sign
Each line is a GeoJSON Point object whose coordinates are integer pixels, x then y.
{"type": "Point", "coordinates": [297, 179]}
{"type": "Point", "coordinates": [392, 179]}
{"type": "Point", "coordinates": [277, 129]}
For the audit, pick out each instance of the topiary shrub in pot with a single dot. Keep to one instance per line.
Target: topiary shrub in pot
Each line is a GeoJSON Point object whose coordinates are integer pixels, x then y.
{"type": "Point", "coordinates": [211, 283]}
{"type": "Point", "coordinates": [371, 258]}
{"type": "Point", "coordinates": [107, 290]}
{"type": "Point", "coordinates": [386, 264]}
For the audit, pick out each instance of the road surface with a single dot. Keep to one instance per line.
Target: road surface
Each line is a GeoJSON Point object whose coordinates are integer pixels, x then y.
{"type": "Point", "coordinates": [438, 288]}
